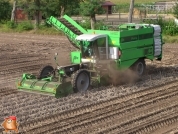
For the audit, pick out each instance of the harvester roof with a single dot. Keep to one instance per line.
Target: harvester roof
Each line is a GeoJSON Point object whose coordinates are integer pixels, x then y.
{"type": "Point", "coordinates": [90, 37]}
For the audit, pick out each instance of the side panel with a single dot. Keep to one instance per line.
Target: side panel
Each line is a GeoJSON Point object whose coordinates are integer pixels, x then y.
{"type": "Point", "coordinates": [75, 57]}
{"type": "Point", "coordinates": [125, 64]}
{"type": "Point", "coordinates": [135, 44]}
{"type": "Point", "coordinates": [113, 36]}
{"type": "Point", "coordinates": [136, 53]}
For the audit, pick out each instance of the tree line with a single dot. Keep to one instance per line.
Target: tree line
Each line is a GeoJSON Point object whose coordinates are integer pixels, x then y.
{"type": "Point", "coordinates": [47, 8]}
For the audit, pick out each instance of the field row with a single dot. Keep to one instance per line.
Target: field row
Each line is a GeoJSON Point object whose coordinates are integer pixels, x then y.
{"type": "Point", "coordinates": [141, 107]}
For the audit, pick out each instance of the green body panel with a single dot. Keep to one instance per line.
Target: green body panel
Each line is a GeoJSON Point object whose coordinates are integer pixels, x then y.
{"type": "Point", "coordinates": [75, 57]}
{"type": "Point", "coordinates": [51, 88]}
{"type": "Point", "coordinates": [134, 44]}
{"type": "Point", "coordinates": [113, 36]}
{"type": "Point", "coordinates": [126, 60]}
{"type": "Point", "coordinates": [136, 53]}
{"type": "Point", "coordinates": [121, 65]}
{"type": "Point", "coordinates": [39, 85]}
{"type": "Point", "coordinates": [137, 44]}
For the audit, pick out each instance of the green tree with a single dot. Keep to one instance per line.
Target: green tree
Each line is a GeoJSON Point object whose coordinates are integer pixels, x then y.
{"type": "Point", "coordinates": [73, 8]}
{"type": "Point", "coordinates": [60, 7]}
{"type": "Point", "coordinates": [32, 8]}
{"type": "Point", "coordinates": [69, 7]}
{"type": "Point", "coordinates": [49, 7]}
{"type": "Point", "coordinates": [91, 8]}
{"type": "Point", "coordinates": [5, 10]}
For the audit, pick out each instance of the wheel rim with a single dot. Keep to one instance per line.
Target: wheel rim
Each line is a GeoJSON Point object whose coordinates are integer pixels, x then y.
{"type": "Point", "coordinates": [83, 82]}
{"type": "Point", "coordinates": [140, 68]}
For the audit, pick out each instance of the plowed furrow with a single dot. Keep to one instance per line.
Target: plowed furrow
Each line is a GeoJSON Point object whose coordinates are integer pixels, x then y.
{"type": "Point", "coordinates": [22, 65]}
{"type": "Point", "coordinates": [110, 103]}
{"type": "Point", "coordinates": [14, 56]}
{"type": "Point", "coordinates": [147, 120]}
{"type": "Point", "coordinates": [18, 61]}
{"type": "Point", "coordinates": [107, 118]}
{"type": "Point", "coordinates": [125, 106]}
{"type": "Point", "coordinates": [155, 124]}
{"type": "Point", "coordinates": [6, 91]}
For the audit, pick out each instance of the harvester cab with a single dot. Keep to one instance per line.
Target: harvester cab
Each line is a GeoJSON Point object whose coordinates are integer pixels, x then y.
{"type": "Point", "coordinates": [92, 46]}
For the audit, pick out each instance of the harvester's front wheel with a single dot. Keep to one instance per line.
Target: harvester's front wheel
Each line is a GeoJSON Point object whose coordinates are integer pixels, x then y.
{"type": "Point", "coordinates": [139, 67]}
{"type": "Point", "coordinates": [45, 71]}
{"type": "Point", "coordinates": [80, 80]}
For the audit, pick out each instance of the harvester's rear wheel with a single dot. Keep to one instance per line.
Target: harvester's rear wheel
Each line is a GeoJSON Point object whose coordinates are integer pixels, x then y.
{"type": "Point", "coordinates": [139, 67]}
{"type": "Point", "coordinates": [45, 71]}
{"type": "Point", "coordinates": [80, 80]}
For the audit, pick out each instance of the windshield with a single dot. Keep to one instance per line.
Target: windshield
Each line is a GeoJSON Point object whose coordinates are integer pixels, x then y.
{"type": "Point", "coordinates": [90, 50]}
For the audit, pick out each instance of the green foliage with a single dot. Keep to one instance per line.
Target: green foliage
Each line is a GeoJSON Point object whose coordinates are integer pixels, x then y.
{"type": "Point", "coordinates": [5, 10]}
{"type": "Point", "coordinates": [19, 27]}
{"type": "Point", "coordinates": [175, 10]}
{"type": "Point", "coordinates": [170, 39]}
{"type": "Point", "coordinates": [11, 24]}
{"type": "Point", "coordinates": [169, 27]}
{"type": "Point", "coordinates": [85, 23]}
{"type": "Point", "coordinates": [25, 26]}
{"type": "Point", "coordinates": [72, 8]}
{"type": "Point", "coordinates": [91, 7]}
{"type": "Point", "coordinates": [120, 2]}
{"type": "Point", "coordinates": [51, 7]}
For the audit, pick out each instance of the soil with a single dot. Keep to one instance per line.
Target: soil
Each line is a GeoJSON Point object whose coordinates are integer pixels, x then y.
{"type": "Point", "coordinates": [147, 106]}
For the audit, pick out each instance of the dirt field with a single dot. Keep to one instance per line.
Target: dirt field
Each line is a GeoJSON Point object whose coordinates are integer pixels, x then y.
{"type": "Point", "coordinates": [149, 106]}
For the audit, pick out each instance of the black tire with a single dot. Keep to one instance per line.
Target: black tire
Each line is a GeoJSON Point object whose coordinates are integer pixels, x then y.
{"type": "Point", "coordinates": [139, 67]}
{"type": "Point", "coordinates": [45, 71]}
{"type": "Point", "coordinates": [80, 80]}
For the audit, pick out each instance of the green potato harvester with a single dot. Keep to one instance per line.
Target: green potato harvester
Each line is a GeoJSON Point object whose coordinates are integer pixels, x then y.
{"type": "Point", "coordinates": [126, 47]}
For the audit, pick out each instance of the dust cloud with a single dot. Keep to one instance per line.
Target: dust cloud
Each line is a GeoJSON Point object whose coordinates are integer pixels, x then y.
{"type": "Point", "coordinates": [116, 77]}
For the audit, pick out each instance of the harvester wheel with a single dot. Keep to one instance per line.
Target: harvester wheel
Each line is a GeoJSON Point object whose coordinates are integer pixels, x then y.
{"type": "Point", "coordinates": [45, 71]}
{"type": "Point", "coordinates": [80, 80]}
{"type": "Point", "coordinates": [139, 67]}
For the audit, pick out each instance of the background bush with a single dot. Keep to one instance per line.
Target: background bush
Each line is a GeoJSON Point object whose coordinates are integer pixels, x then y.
{"type": "Point", "coordinates": [5, 10]}
{"type": "Point", "coordinates": [169, 27]}
{"type": "Point", "coordinates": [25, 26]}
{"type": "Point", "coordinates": [11, 24]}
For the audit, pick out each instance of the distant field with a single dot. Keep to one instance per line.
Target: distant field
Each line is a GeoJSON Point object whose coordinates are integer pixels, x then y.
{"type": "Point", "coordinates": [136, 1]}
